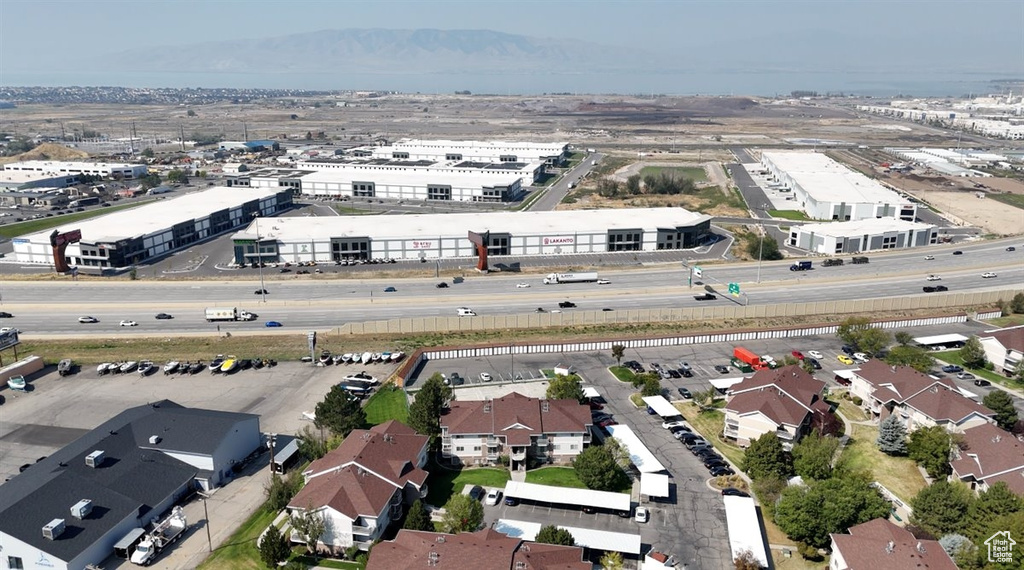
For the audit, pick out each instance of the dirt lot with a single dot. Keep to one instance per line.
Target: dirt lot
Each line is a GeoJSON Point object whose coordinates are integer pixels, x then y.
{"type": "Point", "coordinates": [960, 199]}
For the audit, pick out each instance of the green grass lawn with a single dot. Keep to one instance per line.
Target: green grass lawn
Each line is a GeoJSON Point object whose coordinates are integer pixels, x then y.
{"type": "Point", "coordinates": [694, 173]}
{"type": "Point", "coordinates": [953, 357]}
{"type": "Point", "coordinates": [1016, 200]}
{"type": "Point", "coordinates": [310, 562]}
{"type": "Point", "coordinates": [898, 474]}
{"type": "Point", "coordinates": [788, 214]}
{"type": "Point", "coordinates": [443, 482]}
{"type": "Point", "coordinates": [32, 226]}
{"type": "Point", "coordinates": [390, 403]}
{"type": "Point", "coordinates": [1007, 321]}
{"type": "Point", "coordinates": [622, 373]}
{"type": "Point", "coordinates": [555, 476]}
{"type": "Point", "coordinates": [239, 551]}
{"type": "Point", "coordinates": [350, 211]}
{"type": "Point", "coordinates": [710, 424]}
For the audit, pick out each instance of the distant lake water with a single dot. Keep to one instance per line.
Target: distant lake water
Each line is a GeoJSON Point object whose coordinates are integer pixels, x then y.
{"type": "Point", "coordinates": [673, 83]}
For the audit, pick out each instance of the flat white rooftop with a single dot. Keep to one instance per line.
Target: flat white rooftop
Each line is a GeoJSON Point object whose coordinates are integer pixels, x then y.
{"type": "Point", "coordinates": [457, 225]}
{"type": "Point", "coordinates": [744, 528]}
{"type": "Point", "coordinates": [828, 181]}
{"type": "Point", "coordinates": [52, 165]}
{"type": "Point", "coordinates": [642, 458]}
{"type": "Point", "coordinates": [654, 484]}
{"type": "Point", "coordinates": [587, 537]}
{"type": "Point", "coordinates": [940, 339]}
{"type": "Point", "coordinates": [567, 496]}
{"type": "Point", "coordinates": [661, 406]}
{"type": "Point", "coordinates": [23, 176]}
{"type": "Point", "coordinates": [443, 144]}
{"type": "Point", "coordinates": [402, 176]}
{"type": "Point", "coordinates": [869, 226]}
{"type": "Point", "coordinates": [158, 215]}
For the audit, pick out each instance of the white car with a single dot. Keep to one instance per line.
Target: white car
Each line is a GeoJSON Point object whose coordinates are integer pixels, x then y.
{"type": "Point", "coordinates": [9, 329]}
{"type": "Point", "coordinates": [88, 320]}
{"type": "Point", "coordinates": [642, 514]}
{"type": "Point", "coordinates": [768, 358]}
{"type": "Point", "coordinates": [815, 354]}
{"type": "Point", "coordinates": [485, 377]}
{"type": "Point", "coordinates": [603, 282]}
{"type": "Point", "coordinates": [929, 258]}
{"type": "Point", "coordinates": [522, 285]}
{"type": "Point", "coordinates": [129, 324]}
{"type": "Point", "coordinates": [933, 278]}
{"type": "Point", "coordinates": [860, 356]}
{"type": "Point", "coordinates": [988, 275]}
{"type": "Point", "coordinates": [677, 423]}
{"type": "Point", "coordinates": [493, 496]}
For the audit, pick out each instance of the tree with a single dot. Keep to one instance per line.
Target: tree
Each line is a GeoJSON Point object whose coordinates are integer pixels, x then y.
{"type": "Point", "coordinates": [810, 513]}
{"type": "Point", "coordinates": [903, 337]}
{"type": "Point", "coordinates": [767, 248]}
{"type": "Point", "coordinates": [1017, 303]}
{"type": "Point", "coordinates": [551, 534]}
{"type": "Point", "coordinates": [768, 489]}
{"type": "Point", "coordinates": [612, 561]}
{"type": "Point", "coordinates": [652, 386]}
{"type": "Point", "coordinates": [597, 468]}
{"type": "Point", "coordinates": [705, 398]}
{"type": "Point", "coordinates": [151, 180]}
{"type": "Point", "coordinates": [892, 436]}
{"type": "Point", "coordinates": [633, 184]}
{"type": "Point", "coordinates": [418, 518]}
{"type": "Point", "coordinates": [812, 456]}
{"type": "Point", "coordinates": [618, 351]}
{"type": "Point", "coordinates": [191, 113]}
{"type": "Point", "coordinates": [930, 447]}
{"type": "Point", "coordinates": [858, 332]}
{"type": "Point", "coordinates": [746, 561]}
{"type": "Point", "coordinates": [566, 387]}
{"type": "Point", "coordinates": [766, 458]}
{"type": "Point", "coordinates": [310, 525]}
{"type": "Point", "coordinates": [807, 366]}
{"type": "Point", "coordinates": [912, 356]}
{"type": "Point", "coordinates": [311, 445]}
{"type": "Point", "coordinates": [1014, 524]}
{"type": "Point", "coordinates": [280, 490]}
{"type": "Point", "coordinates": [1018, 373]}
{"type": "Point", "coordinates": [941, 508]}
{"type": "Point", "coordinates": [274, 547]}
{"type": "Point", "coordinates": [873, 340]}
{"type": "Point", "coordinates": [425, 410]}
{"type": "Point", "coordinates": [177, 176]}
{"type": "Point", "coordinates": [1002, 404]}
{"type": "Point", "coordinates": [996, 501]}
{"type": "Point", "coordinates": [146, 153]}
{"type": "Point", "coordinates": [340, 412]}
{"type": "Point", "coordinates": [972, 353]}
{"type": "Point", "coordinates": [954, 544]}
{"type": "Point", "coordinates": [462, 513]}
{"type": "Point", "coordinates": [826, 422]}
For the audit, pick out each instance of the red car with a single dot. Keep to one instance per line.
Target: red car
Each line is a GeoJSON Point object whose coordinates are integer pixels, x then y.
{"type": "Point", "coordinates": [798, 355]}
{"type": "Point", "coordinates": [596, 406]}
{"type": "Point", "coordinates": [608, 422]}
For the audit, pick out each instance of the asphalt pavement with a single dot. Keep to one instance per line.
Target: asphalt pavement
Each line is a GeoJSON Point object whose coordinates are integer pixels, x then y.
{"type": "Point", "coordinates": [554, 194]}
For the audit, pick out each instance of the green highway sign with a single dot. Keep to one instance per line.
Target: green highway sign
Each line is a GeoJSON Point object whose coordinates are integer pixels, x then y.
{"type": "Point", "coordinates": [697, 271]}
{"type": "Point", "coordinates": [734, 289]}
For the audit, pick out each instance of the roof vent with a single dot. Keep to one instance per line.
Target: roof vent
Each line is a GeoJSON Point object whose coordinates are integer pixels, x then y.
{"type": "Point", "coordinates": [81, 509]}
{"type": "Point", "coordinates": [997, 439]}
{"type": "Point", "coordinates": [890, 547]}
{"type": "Point", "coordinates": [53, 529]}
{"type": "Point", "coordinates": [94, 459]}
{"type": "Point", "coordinates": [154, 439]}
{"type": "Point", "coordinates": [432, 558]}
{"type": "Point", "coordinates": [440, 539]}
{"type": "Point", "coordinates": [920, 547]}
{"type": "Point", "coordinates": [520, 565]}
{"type": "Point", "coordinates": [544, 406]}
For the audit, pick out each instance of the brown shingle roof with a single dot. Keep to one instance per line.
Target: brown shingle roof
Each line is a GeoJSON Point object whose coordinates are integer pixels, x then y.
{"type": "Point", "coordinates": [991, 455]}
{"type": "Point", "coordinates": [942, 404]}
{"type": "Point", "coordinates": [390, 450]}
{"type": "Point", "coordinates": [351, 491]}
{"type": "Point", "coordinates": [516, 417]}
{"type": "Point", "coordinates": [792, 380]}
{"type": "Point", "coordinates": [776, 405]}
{"type": "Point", "coordinates": [785, 395]}
{"type": "Point", "coordinates": [1010, 338]}
{"type": "Point", "coordinates": [879, 544]}
{"type": "Point", "coordinates": [481, 550]}
{"type": "Point", "coordinates": [897, 383]}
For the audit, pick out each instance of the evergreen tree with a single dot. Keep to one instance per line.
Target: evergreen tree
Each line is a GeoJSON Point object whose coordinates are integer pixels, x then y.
{"type": "Point", "coordinates": [340, 412]}
{"type": "Point", "coordinates": [892, 436]}
{"type": "Point", "coordinates": [274, 547]}
{"type": "Point", "coordinates": [1017, 303]}
{"type": "Point", "coordinates": [425, 410]}
{"type": "Point", "coordinates": [942, 507]}
{"type": "Point", "coordinates": [1002, 404]}
{"type": "Point", "coordinates": [972, 353]}
{"type": "Point", "coordinates": [551, 534]}
{"type": "Point", "coordinates": [612, 560]}
{"type": "Point", "coordinates": [997, 501]}
{"type": "Point", "coordinates": [418, 518]}
{"type": "Point", "coordinates": [766, 458]}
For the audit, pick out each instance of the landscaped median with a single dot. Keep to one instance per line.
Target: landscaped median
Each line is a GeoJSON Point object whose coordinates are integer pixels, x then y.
{"type": "Point", "coordinates": [710, 424]}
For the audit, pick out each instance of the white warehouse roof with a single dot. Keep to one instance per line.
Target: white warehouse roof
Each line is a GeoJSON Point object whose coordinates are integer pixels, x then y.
{"type": "Point", "coordinates": [411, 177]}
{"type": "Point", "coordinates": [520, 223]}
{"type": "Point", "coordinates": [159, 215]}
{"type": "Point", "coordinates": [856, 228]}
{"type": "Point", "coordinates": [567, 496]}
{"type": "Point", "coordinates": [828, 181]}
{"type": "Point", "coordinates": [410, 145]}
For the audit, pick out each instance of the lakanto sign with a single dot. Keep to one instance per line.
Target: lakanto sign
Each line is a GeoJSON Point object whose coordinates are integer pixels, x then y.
{"type": "Point", "coordinates": [559, 240]}
{"type": "Point", "coordinates": [422, 244]}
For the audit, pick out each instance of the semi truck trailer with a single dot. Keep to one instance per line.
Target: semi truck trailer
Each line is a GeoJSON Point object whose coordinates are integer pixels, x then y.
{"type": "Point", "coordinates": [585, 277]}
{"type": "Point", "coordinates": [228, 314]}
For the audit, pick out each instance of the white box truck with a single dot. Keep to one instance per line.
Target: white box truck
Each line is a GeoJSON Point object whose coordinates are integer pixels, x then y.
{"type": "Point", "coordinates": [228, 314]}
{"type": "Point", "coordinates": [585, 277]}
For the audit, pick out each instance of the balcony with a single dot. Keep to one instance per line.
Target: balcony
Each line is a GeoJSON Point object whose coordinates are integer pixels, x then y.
{"type": "Point", "coordinates": [365, 532]}
{"type": "Point", "coordinates": [543, 442]}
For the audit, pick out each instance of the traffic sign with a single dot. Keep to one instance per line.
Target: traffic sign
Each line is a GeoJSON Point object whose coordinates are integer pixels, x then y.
{"type": "Point", "coordinates": [697, 271]}
{"type": "Point", "coordinates": [311, 337]}
{"type": "Point", "coordinates": [734, 289]}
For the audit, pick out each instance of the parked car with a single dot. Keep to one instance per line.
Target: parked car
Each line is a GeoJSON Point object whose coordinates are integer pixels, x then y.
{"type": "Point", "coordinates": [721, 471]}
{"type": "Point", "coordinates": [511, 501]}
{"type": "Point", "coordinates": [476, 493]}
{"type": "Point", "coordinates": [642, 515]}
{"type": "Point", "coordinates": [493, 496]}
{"type": "Point", "coordinates": [685, 393]}
{"type": "Point", "coordinates": [442, 285]}
{"type": "Point", "coordinates": [844, 359]}
{"type": "Point", "coordinates": [981, 382]}
{"type": "Point", "coordinates": [797, 355]}
{"type": "Point", "coordinates": [814, 363]}
{"type": "Point", "coordinates": [721, 369]}
{"type": "Point", "coordinates": [848, 349]}
{"type": "Point", "coordinates": [673, 423]}
{"type": "Point", "coordinates": [815, 354]}
{"type": "Point", "coordinates": [952, 368]}
{"type": "Point", "coordinates": [88, 320]}
{"type": "Point", "coordinates": [163, 316]}
{"type": "Point", "coordinates": [965, 376]}
{"type": "Point", "coordinates": [566, 305]}
{"type": "Point", "coordinates": [485, 377]}
{"type": "Point", "coordinates": [734, 492]}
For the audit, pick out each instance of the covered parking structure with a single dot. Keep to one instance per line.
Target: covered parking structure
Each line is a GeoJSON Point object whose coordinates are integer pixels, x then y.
{"type": "Point", "coordinates": [639, 455]}
{"type": "Point", "coordinates": [661, 406]}
{"type": "Point", "coordinates": [723, 384]}
{"type": "Point", "coordinates": [745, 531]}
{"type": "Point", "coordinates": [548, 494]}
{"type": "Point", "coordinates": [585, 537]}
{"type": "Point", "coordinates": [941, 342]}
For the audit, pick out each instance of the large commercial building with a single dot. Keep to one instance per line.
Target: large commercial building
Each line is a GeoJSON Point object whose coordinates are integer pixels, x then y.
{"type": "Point", "coordinates": [827, 190]}
{"type": "Point", "coordinates": [25, 179]}
{"type": "Point", "coordinates": [129, 237]}
{"type": "Point", "coordinates": [434, 236]}
{"type": "Point", "coordinates": [862, 235]}
{"type": "Point", "coordinates": [414, 185]}
{"type": "Point", "coordinates": [479, 151]}
{"type": "Point", "coordinates": [58, 168]}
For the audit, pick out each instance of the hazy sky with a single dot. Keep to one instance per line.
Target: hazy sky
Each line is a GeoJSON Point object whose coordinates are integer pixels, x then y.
{"type": "Point", "coordinates": [961, 35]}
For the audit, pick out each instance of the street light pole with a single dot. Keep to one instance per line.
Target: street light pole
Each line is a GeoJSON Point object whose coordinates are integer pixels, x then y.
{"type": "Point", "coordinates": [760, 247]}
{"type": "Point", "coordinates": [206, 516]}
{"type": "Point", "coordinates": [259, 256]}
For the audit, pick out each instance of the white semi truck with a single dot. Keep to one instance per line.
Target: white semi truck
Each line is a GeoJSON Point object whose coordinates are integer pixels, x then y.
{"type": "Point", "coordinates": [585, 277]}
{"type": "Point", "coordinates": [164, 533]}
{"type": "Point", "coordinates": [228, 314]}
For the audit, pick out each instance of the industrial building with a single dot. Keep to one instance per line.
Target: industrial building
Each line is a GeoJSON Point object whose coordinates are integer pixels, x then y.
{"type": "Point", "coordinates": [68, 510]}
{"type": "Point", "coordinates": [133, 236]}
{"type": "Point", "coordinates": [861, 235]}
{"type": "Point", "coordinates": [58, 168]}
{"type": "Point", "coordinates": [478, 151]}
{"type": "Point", "coordinates": [414, 185]}
{"type": "Point", "coordinates": [26, 179]}
{"type": "Point", "coordinates": [827, 190]}
{"type": "Point", "coordinates": [435, 236]}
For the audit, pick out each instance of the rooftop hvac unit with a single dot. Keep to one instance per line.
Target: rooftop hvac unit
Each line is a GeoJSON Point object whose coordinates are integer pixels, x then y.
{"type": "Point", "coordinates": [94, 459]}
{"type": "Point", "coordinates": [81, 509]}
{"type": "Point", "coordinates": [154, 439]}
{"type": "Point", "coordinates": [53, 529]}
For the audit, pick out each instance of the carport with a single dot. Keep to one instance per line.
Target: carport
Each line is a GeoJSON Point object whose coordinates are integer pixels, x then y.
{"type": "Point", "coordinates": [590, 392]}
{"type": "Point", "coordinates": [723, 384]}
{"type": "Point", "coordinates": [567, 496]}
{"type": "Point", "coordinates": [745, 532]}
{"type": "Point", "coordinates": [661, 406]}
{"type": "Point", "coordinates": [642, 458]}
{"type": "Point", "coordinates": [654, 484]}
{"type": "Point", "coordinates": [585, 537]}
{"type": "Point", "coordinates": [941, 341]}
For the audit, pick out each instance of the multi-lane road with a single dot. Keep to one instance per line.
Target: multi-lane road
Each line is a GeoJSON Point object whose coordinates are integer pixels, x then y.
{"type": "Point", "coordinates": [54, 308]}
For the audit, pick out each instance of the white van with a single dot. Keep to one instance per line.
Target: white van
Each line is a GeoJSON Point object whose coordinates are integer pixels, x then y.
{"type": "Point", "coordinates": [464, 312]}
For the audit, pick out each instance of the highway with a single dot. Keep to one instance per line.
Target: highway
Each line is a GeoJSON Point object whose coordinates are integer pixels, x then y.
{"type": "Point", "coordinates": [53, 308]}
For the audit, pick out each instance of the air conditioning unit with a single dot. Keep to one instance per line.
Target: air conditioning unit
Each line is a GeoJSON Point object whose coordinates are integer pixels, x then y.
{"type": "Point", "coordinates": [53, 529]}
{"type": "Point", "coordinates": [81, 509]}
{"type": "Point", "coordinates": [94, 459]}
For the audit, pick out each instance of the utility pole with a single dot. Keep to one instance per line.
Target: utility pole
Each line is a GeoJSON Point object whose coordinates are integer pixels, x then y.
{"type": "Point", "coordinates": [182, 127]}
{"type": "Point", "coordinates": [206, 516]}
{"type": "Point", "coordinates": [259, 256]}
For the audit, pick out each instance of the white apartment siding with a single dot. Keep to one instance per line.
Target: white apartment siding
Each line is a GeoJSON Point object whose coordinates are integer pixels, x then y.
{"type": "Point", "coordinates": [747, 427]}
{"type": "Point", "coordinates": [837, 562]}
{"type": "Point", "coordinates": [566, 444]}
{"type": "Point", "coordinates": [862, 389]}
{"type": "Point", "coordinates": [1005, 361]}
